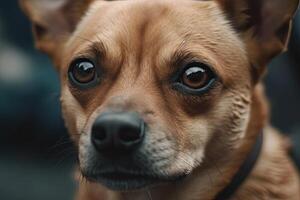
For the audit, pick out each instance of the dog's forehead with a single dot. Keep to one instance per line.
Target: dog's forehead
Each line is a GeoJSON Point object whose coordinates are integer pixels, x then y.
{"type": "Point", "coordinates": [160, 27]}
{"type": "Point", "coordinates": [129, 17]}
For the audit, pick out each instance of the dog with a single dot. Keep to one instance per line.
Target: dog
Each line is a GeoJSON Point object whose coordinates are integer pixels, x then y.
{"type": "Point", "coordinates": [164, 99]}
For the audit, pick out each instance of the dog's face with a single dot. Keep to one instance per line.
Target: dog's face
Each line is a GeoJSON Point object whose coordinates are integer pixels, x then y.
{"type": "Point", "coordinates": [167, 71]}
{"type": "Point", "coordinates": [149, 87]}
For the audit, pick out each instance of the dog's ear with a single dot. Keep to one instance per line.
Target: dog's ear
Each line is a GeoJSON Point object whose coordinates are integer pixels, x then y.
{"type": "Point", "coordinates": [53, 21]}
{"type": "Point", "coordinates": [265, 26]}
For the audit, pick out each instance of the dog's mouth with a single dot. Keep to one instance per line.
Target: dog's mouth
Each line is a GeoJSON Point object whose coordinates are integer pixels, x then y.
{"type": "Point", "coordinates": [124, 181]}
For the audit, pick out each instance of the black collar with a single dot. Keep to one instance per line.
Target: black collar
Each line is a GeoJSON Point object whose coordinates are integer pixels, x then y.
{"type": "Point", "coordinates": [243, 172]}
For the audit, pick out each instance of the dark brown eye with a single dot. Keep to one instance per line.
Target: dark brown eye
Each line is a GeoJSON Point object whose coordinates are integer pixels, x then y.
{"type": "Point", "coordinates": [83, 72]}
{"type": "Point", "coordinates": [197, 76]}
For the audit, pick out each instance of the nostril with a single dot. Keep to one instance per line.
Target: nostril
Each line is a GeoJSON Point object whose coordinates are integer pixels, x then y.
{"type": "Point", "coordinates": [99, 137]}
{"type": "Point", "coordinates": [99, 133]}
{"type": "Point", "coordinates": [129, 135]}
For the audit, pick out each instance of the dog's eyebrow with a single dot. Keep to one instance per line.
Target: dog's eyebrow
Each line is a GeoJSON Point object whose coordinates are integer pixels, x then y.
{"type": "Point", "coordinates": [183, 53]}
{"type": "Point", "coordinates": [96, 49]}
{"type": "Point", "coordinates": [93, 48]}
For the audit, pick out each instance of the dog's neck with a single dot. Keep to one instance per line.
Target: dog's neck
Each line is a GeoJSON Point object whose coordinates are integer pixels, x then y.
{"type": "Point", "coordinates": [244, 171]}
{"type": "Point", "coordinates": [212, 177]}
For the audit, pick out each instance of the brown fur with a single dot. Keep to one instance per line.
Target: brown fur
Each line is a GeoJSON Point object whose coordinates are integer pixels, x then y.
{"type": "Point", "coordinates": [139, 44]}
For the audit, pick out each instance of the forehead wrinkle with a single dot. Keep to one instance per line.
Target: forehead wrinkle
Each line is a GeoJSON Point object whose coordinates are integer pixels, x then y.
{"type": "Point", "coordinates": [149, 26]}
{"type": "Point", "coordinates": [136, 32]}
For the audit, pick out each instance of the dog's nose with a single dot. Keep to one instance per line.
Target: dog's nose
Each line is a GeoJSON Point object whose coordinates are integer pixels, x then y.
{"type": "Point", "coordinates": [117, 132]}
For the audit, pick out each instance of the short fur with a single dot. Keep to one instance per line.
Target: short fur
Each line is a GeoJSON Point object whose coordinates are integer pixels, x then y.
{"type": "Point", "coordinates": [138, 43]}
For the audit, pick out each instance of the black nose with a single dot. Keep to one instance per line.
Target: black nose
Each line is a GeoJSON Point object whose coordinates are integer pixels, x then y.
{"type": "Point", "coordinates": [117, 132]}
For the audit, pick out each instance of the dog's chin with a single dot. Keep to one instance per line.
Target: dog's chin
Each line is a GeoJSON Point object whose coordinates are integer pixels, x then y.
{"type": "Point", "coordinates": [122, 181]}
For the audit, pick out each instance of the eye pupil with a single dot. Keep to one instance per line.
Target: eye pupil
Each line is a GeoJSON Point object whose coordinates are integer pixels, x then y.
{"type": "Point", "coordinates": [83, 71]}
{"type": "Point", "coordinates": [195, 77]}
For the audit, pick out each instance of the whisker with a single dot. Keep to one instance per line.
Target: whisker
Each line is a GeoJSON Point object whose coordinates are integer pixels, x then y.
{"type": "Point", "coordinates": [149, 194]}
{"type": "Point", "coordinates": [61, 142]}
{"type": "Point", "coordinates": [65, 154]}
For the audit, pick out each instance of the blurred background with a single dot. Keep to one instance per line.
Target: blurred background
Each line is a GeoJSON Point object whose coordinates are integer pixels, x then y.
{"type": "Point", "coordinates": [36, 156]}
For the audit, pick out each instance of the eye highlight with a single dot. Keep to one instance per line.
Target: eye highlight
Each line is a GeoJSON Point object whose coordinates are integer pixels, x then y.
{"type": "Point", "coordinates": [83, 73]}
{"type": "Point", "coordinates": [195, 78]}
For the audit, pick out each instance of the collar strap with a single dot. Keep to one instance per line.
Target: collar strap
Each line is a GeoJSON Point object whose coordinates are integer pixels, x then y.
{"type": "Point", "coordinates": [244, 171]}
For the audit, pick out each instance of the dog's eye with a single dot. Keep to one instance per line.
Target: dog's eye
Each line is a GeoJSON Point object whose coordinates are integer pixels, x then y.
{"type": "Point", "coordinates": [195, 78]}
{"type": "Point", "coordinates": [82, 72]}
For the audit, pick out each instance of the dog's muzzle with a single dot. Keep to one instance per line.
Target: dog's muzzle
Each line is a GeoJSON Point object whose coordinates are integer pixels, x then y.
{"type": "Point", "coordinates": [117, 138]}
{"type": "Point", "coordinates": [121, 155]}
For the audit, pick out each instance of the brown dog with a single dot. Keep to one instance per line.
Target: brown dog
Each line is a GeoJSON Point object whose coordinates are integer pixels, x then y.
{"type": "Point", "coordinates": [163, 98]}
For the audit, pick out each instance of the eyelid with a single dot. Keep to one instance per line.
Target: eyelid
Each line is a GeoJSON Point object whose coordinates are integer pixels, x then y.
{"type": "Point", "coordinates": [83, 57]}
{"type": "Point", "coordinates": [182, 59]}
{"type": "Point", "coordinates": [202, 62]}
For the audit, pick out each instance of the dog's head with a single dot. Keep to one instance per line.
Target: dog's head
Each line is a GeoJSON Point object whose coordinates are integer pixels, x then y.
{"type": "Point", "coordinates": [150, 87]}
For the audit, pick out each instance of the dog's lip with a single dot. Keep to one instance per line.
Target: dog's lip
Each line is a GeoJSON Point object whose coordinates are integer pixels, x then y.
{"type": "Point", "coordinates": [122, 176]}
{"type": "Point", "coordinates": [118, 175]}
{"type": "Point", "coordinates": [120, 180]}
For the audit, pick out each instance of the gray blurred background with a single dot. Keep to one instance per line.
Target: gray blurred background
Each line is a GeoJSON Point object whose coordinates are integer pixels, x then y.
{"type": "Point", "coordinates": [36, 156]}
